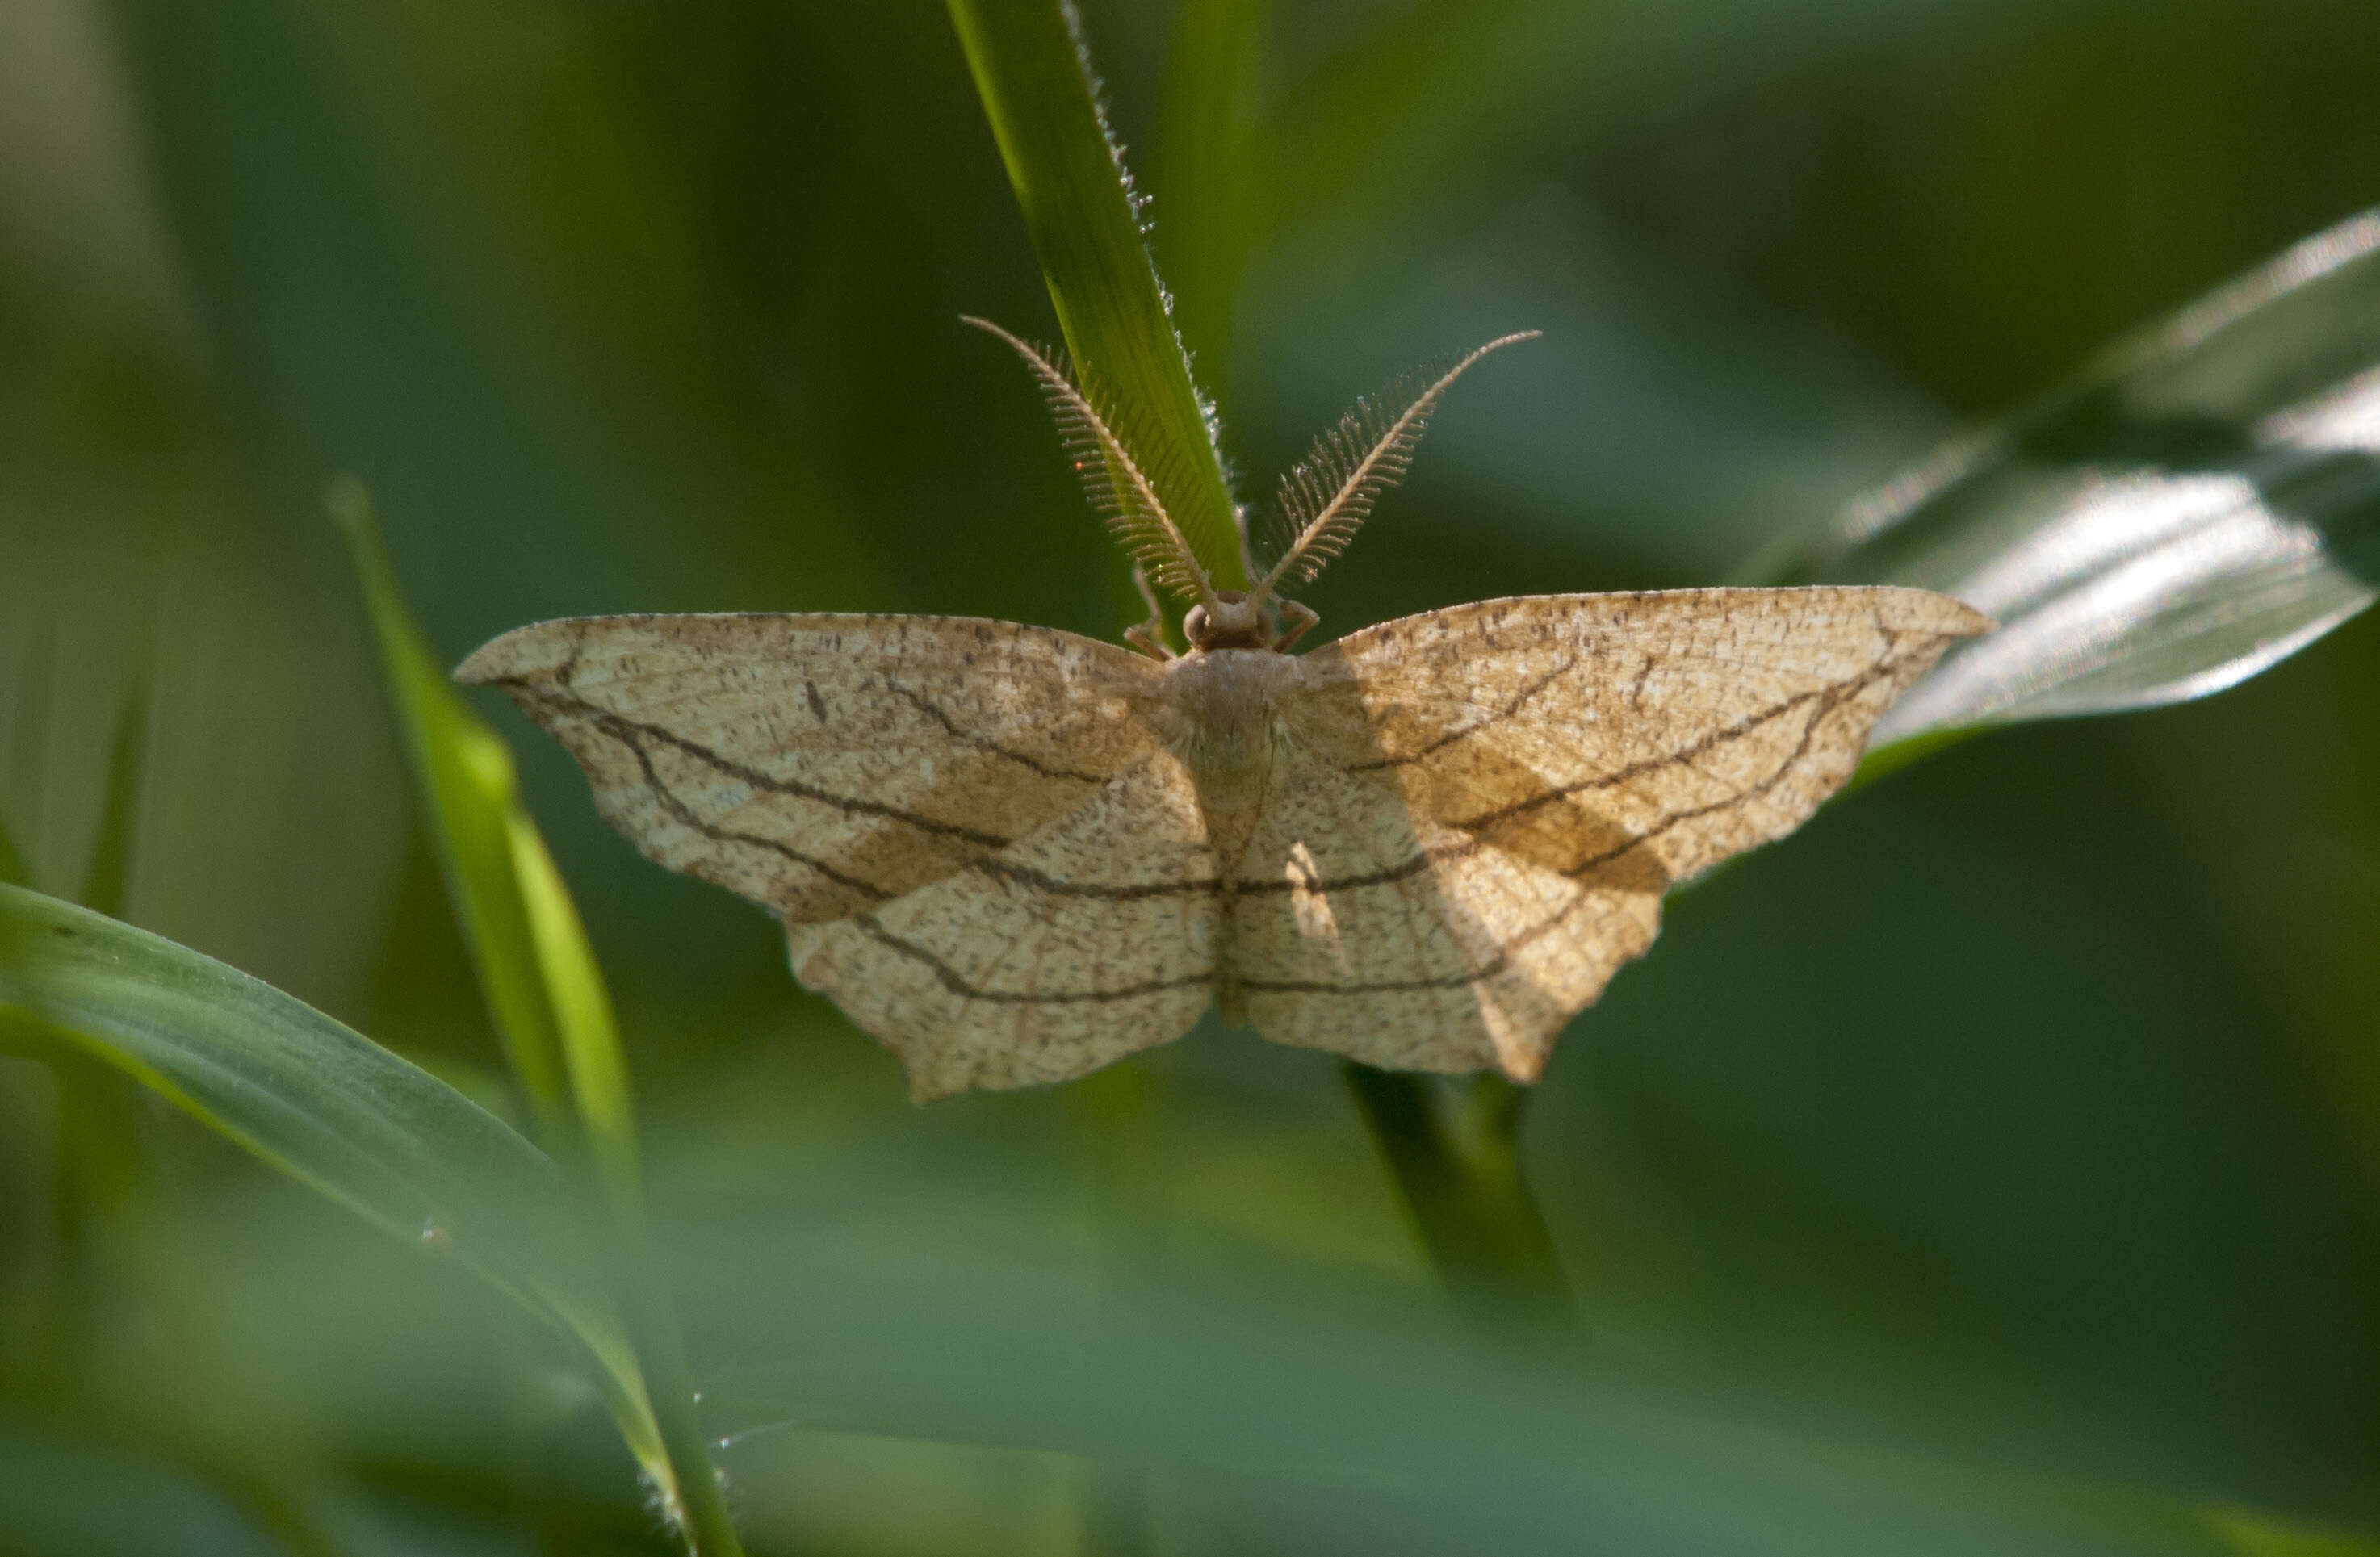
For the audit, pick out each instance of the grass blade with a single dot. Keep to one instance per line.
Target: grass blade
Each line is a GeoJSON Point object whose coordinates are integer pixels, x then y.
{"type": "Point", "coordinates": [1326, 1412]}
{"type": "Point", "coordinates": [1471, 1209]}
{"type": "Point", "coordinates": [1035, 79]}
{"type": "Point", "coordinates": [2200, 503]}
{"type": "Point", "coordinates": [466, 777]}
{"type": "Point", "coordinates": [313, 1098]}
{"type": "Point", "coordinates": [547, 996]}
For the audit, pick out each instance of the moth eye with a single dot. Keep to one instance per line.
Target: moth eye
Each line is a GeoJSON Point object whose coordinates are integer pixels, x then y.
{"type": "Point", "coordinates": [1194, 625]}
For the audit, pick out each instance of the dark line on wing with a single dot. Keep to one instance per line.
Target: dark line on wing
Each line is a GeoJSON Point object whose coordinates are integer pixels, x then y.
{"type": "Point", "coordinates": [1452, 736]}
{"type": "Point", "coordinates": [1384, 987]}
{"type": "Point", "coordinates": [568, 671]}
{"type": "Point", "coordinates": [1830, 698]}
{"type": "Point", "coordinates": [1041, 881]}
{"type": "Point", "coordinates": [984, 742]}
{"type": "Point", "coordinates": [1784, 769]}
{"type": "Point", "coordinates": [951, 978]}
{"type": "Point", "coordinates": [617, 726]}
{"type": "Point", "coordinates": [685, 817]}
{"type": "Point", "coordinates": [1382, 877]}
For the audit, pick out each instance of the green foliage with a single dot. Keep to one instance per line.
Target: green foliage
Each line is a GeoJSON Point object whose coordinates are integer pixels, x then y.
{"type": "Point", "coordinates": [548, 997]}
{"type": "Point", "coordinates": [2193, 510]}
{"type": "Point", "coordinates": [1990, 1168]}
{"type": "Point", "coordinates": [320, 1102]}
{"type": "Point", "coordinates": [1032, 70]}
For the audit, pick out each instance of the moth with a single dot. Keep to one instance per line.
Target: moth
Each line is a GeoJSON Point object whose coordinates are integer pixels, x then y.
{"type": "Point", "coordinates": [1016, 855]}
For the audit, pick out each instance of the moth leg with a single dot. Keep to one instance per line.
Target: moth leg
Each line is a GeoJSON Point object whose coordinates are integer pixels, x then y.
{"type": "Point", "coordinates": [1301, 617]}
{"type": "Point", "coordinates": [1148, 637]}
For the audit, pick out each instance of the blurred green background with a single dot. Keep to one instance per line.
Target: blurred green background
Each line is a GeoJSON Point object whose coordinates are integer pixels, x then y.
{"type": "Point", "coordinates": [1993, 1165]}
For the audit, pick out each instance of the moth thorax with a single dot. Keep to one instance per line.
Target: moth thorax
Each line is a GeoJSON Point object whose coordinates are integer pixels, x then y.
{"type": "Point", "coordinates": [1235, 621]}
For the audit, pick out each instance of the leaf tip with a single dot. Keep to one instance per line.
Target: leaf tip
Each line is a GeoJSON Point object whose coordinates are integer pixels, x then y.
{"type": "Point", "coordinates": [349, 502]}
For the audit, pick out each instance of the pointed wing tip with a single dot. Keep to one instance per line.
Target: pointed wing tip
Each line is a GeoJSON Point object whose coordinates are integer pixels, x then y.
{"type": "Point", "coordinates": [483, 664]}
{"type": "Point", "coordinates": [1930, 611]}
{"type": "Point", "coordinates": [506, 656]}
{"type": "Point", "coordinates": [1524, 1069]}
{"type": "Point", "coordinates": [924, 1089]}
{"type": "Point", "coordinates": [513, 655]}
{"type": "Point", "coordinates": [1964, 621]}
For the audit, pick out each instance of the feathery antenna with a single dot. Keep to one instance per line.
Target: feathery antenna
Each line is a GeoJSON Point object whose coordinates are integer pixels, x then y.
{"type": "Point", "coordinates": [1327, 496]}
{"type": "Point", "coordinates": [1125, 496]}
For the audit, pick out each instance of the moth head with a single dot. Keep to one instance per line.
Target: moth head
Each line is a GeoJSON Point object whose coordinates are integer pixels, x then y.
{"type": "Point", "coordinates": [1234, 621]}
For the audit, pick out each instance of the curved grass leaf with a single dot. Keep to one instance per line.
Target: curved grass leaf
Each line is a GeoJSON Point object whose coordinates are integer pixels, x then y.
{"type": "Point", "coordinates": [313, 1098]}
{"type": "Point", "coordinates": [2202, 501]}
{"type": "Point", "coordinates": [1035, 79]}
{"type": "Point", "coordinates": [548, 995]}
{"type": "Point", "coordinates": [466, 777]}
{"type": "Point", "coordinates": [1334, 1420]}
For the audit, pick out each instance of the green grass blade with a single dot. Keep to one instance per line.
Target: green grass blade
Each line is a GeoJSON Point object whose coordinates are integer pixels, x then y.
{"type": "Point", "coordinates": [465, 775]}
{"type": "Point", "coordinates": [548, 995]}
{"type": "Point", "coordinates": [315, 1099]}
{"type": "Point", "coordinates": [539, 974]}
{"type": "Point", "coordinates": [2200, 503]}
{"type": "Point", "coordinates": [103, 1177]}
{"type": "Point", "coordinates": [1319, 1407]}
{"type": "Point", "coordinates": [1035, 80]}
{"type": "Point", "coordinates": [1471, 1209]}
{"type": "Point", "coordinates": [580, 1008]}
{"type": "Point", "coordinates": [107, 876]}
{"type": "Point", "coordinates": [1033, 71]}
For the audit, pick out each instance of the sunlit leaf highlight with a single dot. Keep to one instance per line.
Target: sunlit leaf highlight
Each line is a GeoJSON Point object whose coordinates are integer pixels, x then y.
{"type": "Point", "coordinates": [2201, 502]}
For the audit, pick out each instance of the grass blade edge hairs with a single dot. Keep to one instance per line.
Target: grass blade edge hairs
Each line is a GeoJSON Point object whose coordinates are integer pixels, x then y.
{"type": "Point", "coordinates": [1033, 73]}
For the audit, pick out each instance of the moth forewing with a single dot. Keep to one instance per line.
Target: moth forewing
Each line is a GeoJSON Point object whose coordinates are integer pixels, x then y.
{"type": "Point", "coordinates": [1541, 771]}
{"type": "Point", "coordinates": [824, 766]}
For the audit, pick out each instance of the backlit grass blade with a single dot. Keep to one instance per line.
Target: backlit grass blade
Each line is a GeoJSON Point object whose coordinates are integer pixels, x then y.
{"type": "Point", "coordinates": [1037, 90]}
{"type": "Point", "coordinates": [465, 775]}
{"type": "Point", "coordinates": [2200, 503]}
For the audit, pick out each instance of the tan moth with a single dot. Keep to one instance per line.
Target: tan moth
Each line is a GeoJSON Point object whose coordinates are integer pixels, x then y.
{"type": "Point", "coordinates": [1016, 855]}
